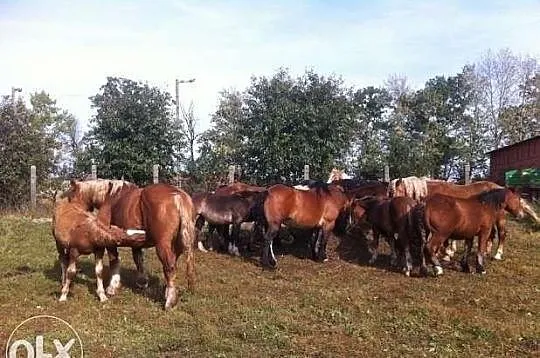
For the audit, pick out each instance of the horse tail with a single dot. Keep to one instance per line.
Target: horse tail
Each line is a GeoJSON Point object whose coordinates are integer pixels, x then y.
{"type": "Point", "coordinates": [184, 205]}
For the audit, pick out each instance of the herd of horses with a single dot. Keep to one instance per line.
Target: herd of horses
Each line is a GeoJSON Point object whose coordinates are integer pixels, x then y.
{"type": "Point", "coordinates": [417, 216]}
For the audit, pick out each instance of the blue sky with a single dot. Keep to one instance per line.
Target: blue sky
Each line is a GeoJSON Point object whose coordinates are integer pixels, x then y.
{"type": "Point", "coordinates": [68, 48]}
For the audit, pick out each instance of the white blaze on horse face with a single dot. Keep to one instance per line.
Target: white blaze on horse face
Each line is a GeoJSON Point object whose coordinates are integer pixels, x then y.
{"type": "Point", "coordinates": [131, 232]}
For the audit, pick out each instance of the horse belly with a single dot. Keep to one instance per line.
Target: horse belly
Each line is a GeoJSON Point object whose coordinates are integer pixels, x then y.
{"type": "Point", "coordinates": [219, 218]}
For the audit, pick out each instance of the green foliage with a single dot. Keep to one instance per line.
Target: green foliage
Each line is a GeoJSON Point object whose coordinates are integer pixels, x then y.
{"type": "Point", "coordinates": [31, 136]}
{"type": "Point", "coordinates": [280, 124]}
{"type": "Point", "coordinates": [132, 130]}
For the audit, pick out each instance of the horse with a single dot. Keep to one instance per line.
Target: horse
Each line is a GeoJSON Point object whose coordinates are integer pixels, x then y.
{"type": "Point", "coordinates": [76, 231]}
{"type": "Point", "coordinates": [238, 187]}
{"type": "Point", "coordinates": [166, 213]}
{"type": "Point", "coordinates": [220, 211]}
{"type": "Point", "coordinates": [316, 208]}
{"type": "Point", "coordinates": [420, 188]}
{"type": "Point", "coordinates": [389, 217]}
{"type": "Point", "coordinates": [449, 217]}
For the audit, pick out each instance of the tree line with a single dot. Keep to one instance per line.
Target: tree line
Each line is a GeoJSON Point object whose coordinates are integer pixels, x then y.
{"type": "Point", "coordinates": [278, 124]}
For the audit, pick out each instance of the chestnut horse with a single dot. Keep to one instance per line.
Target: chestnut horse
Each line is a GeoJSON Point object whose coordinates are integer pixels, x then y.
{"type": "Point", "coordinates": [420, 188]}
{"type": "Point", "coordinates": [389, 217]}
{"type": "Point", "coordinates": [92, 196]}
{"type": "Point", "coordinates": [316, 208]}
{"type": "Point", "coordinates": [448, 217]}
{"type": "Point", "coordinates": [166, 213]}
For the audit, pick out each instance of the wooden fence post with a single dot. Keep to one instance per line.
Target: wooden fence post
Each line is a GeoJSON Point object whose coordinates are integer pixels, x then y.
{"type": "Point", "coordinates": [386, 173]}
{"type": "Point", "coordinates": [33, 183]}
{"type": "Point", "coordinates": [467, 173]}
{"type": "Point", "coordinates": [94, 172]}
{"type": "Point", "coordinates": [155, 173]}
{"type": "Point", "coordinates": [306, 172]}
{"type": "Point", "coordinates": [231, 173]}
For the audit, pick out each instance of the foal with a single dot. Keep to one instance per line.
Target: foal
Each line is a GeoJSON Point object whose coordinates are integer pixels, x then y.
{"type": "Point", "coordinates": [447, 217]}
{"type": "Point", "coordinates": [78, 232]}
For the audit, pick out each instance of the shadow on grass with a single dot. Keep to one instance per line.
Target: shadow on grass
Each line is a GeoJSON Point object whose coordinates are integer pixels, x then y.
{"type": "Point", "coordinates": [86, 276]}
{"type": "Point", "coordinates": [350, 246]}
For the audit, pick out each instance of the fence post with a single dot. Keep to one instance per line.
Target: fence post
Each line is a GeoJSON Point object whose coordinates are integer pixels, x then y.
{"type": "Point", "coordinates": [33, 182]}
{"type": "Point", "coordinates": [306, 172]}
{"type": "Point", "coordinates": [386, 173]}
{"type": "Point", "coordinates": [467, 173]}
{"type": "Point", "coordinates": [155, 173]}
{"type": "Point", "coordinates": [231, 173]}
{"type": "Point", "coordinates": [94, 172]}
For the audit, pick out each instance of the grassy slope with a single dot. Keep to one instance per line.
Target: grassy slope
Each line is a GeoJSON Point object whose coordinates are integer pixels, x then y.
{"type": "Point", "coordinates": [340, 308]}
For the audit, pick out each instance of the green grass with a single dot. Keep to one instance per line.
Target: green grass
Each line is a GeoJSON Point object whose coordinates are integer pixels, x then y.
{"type": "Point", "coordinates": [304, 309]}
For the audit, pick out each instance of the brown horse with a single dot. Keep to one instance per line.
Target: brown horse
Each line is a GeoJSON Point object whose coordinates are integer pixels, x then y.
{"type": "Point", "coordinates": [221, 210]}
{"type": "Point", "coordinates": [92, 196]}
{"type": "Point", "coordinates": [76, 231]}
{"type": "Point", "coordinates": [389, 217]}
{"type": "Point", "coordinates": [448, 217]}
{"type": "Point", "coordinates": [238, 187]}
{"type": "Point", "coordinates": [421, 188]}
{"type": "Point", "coordinates": [316, 208]}
{"type": "Point", "coordinates": [166, 213]}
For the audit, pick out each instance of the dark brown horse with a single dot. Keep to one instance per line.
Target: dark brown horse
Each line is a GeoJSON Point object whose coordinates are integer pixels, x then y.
{"type": "Point", "coordinates": [448, 217]}
{"type": "Point", "coordinates": [221, 211]}
{"type": "Point", "coordinates": [238, 187]}
{"type": "Point", "coordinates": [390, 217]}
{"type": "Point", "coordinates": [316, 208]}
{"type": "Point", "coordinates": [166, 213]}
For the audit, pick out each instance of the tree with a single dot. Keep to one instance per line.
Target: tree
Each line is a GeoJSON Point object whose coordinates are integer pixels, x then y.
{"type": "Point", "coordinates": [132, 130]}
{"type": "Point", "coordinates": [279, 124]}
{"type": "Point", "coordinates": [33, 136]}
{"type": "Point", "coordinates": [500, 80]}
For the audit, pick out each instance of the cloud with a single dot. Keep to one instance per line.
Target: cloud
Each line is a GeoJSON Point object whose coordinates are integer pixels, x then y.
{"type": "Point", "coordinates": [68, 48]}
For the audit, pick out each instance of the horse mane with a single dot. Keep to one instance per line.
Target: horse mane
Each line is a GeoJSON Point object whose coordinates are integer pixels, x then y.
{"type": "Point", "coordinates": [415, 188]}
{"type": "Point", "coordinates": [494, 198]}
{"type": "Point", "coordinates": [320, 186]}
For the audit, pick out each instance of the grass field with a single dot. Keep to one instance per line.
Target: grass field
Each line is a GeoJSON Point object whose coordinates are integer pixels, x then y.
{"type": "Point", "coordinates": [342, 308]}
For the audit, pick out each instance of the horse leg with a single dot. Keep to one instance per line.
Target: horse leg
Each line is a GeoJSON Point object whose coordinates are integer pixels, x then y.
{"type": "Point", "coordinates": [403, 241]}
{"type": "Point", "coordinates": [373, 246]}
{"type": "Point", "coordinates": [168, 258]}
{"type": "Point", "coordinates": [501, 230]}
{"type": "Point", "coordinates": [99, 274]}
{"type": "Point", "coordinates": [114, 267]}
{"type": "Point", "coordinates": [198, 226]}
{"type": "Point", "coordinates": [482, 246]}
{"type": "Point", "coordinates": [465, 259]}
{"type": "Point", "coordinates": [71, 271]}
{"type": "Point", "coordinates": [63, 258]}
{"type": "Point", "coordinates": [432, 248]}
{"type": "Point", "coordinates": [138, 257]}
{"type": "Point", "coordinates": [391, 240]}
{"type": "Point", "coordinates": [450, 250]}
{"type": "Point", "coordinates": [268, 259]}
{"type": "Point", "coordinates": [235, 236]}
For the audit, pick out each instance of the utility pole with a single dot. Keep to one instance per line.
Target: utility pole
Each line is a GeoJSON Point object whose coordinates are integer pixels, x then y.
{"type": "Point", "coordinates": [13, 100]}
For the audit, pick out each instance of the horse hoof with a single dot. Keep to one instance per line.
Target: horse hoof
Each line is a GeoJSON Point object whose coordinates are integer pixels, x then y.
{"type": "Point", "coordinates": [498, 256]}
{"type": "Point", "coordinates": [102, 297]}
{"type": "Point", "coordinates": [447, 258]}
{"type": "Point", "coordinates": [62, 298]}
{"type": "Point", "coordinates": [408, 273]}
{"type": "Point", "coordinates": [171, 298]}
{"type": "Point", "coordinates": [438, 270]}
{"type": "Point", "coordinates": [482, 272]}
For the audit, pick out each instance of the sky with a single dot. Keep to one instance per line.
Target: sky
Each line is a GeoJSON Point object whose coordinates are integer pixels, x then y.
{"type": "Point", "coordinates": [69, 48]}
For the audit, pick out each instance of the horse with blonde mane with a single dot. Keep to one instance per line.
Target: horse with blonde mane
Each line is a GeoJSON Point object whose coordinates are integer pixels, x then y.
{"type": "Point", "coordinates": [92, 195]}
{"type": "Point", "coordinates": [166, 214]}
{"type": "Point", "coordinates": [420, 188]}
